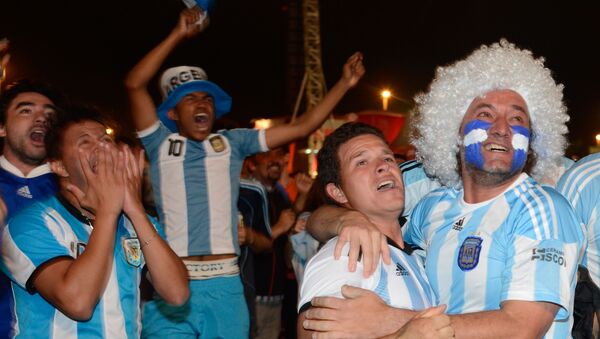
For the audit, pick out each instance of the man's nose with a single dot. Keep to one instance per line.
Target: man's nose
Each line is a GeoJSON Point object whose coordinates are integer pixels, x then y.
{"type": "Point", "coordinates": [500, 127]}
{"type": "Point", "coordinates": [41, 116]}
{"type": "Point", "coordinates": [382, 166]}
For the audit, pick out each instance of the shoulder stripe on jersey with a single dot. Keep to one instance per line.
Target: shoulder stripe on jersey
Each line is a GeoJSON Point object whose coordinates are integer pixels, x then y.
{"type": "Point", "coordinates": [409, 165]}
{"type": "Point", "coordinates": [579, 178]}
{"type": "Point", "coordinates": [534, 201]}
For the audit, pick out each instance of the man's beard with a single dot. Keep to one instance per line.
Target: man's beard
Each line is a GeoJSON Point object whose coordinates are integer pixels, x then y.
{"type": "Point", "coordinates": [490, 178]}
{"type": "Point", "coordinates": [20, 151]}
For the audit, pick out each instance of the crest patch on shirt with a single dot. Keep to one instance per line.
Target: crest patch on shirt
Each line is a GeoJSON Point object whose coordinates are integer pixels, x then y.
{"type": "Point", "coordinates": [468, 256]}
{"type": "Point", "coordinates": [132, 251]}
{"type": "Point", "coordinates": [217, 143]}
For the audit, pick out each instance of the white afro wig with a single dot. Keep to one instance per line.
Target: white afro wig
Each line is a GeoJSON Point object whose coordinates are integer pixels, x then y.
{"type": "Point", "coordinates": [502, 65]}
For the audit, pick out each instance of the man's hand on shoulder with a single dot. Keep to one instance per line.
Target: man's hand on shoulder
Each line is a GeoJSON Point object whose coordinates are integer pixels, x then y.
{"type": "Point", "coordinates": [365, 240]}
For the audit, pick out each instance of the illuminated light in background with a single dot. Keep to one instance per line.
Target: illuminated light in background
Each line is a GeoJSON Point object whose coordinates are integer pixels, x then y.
{"type": "Point", "coordinates": [385, 96]}
{"type": "Point", "coordinates": [262, 123]}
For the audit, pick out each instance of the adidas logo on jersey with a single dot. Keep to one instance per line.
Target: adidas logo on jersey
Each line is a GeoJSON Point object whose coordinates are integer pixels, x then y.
{"type": "Point", "coordinates": [24, 192]}
{"type": "Point", "coordinates": [401, 271]}
{"type": "Point", "coordinates": [458, 226]}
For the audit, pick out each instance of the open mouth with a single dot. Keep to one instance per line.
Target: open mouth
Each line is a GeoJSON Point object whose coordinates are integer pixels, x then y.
{"type": "Point", "coordinates": [495, 148]}
{"type": "Point", "coordinates": [201, 118]}
{"type": "Point", "coordinates": [37, 135]}
{"type": "Point", "coordinates": [386, 185]}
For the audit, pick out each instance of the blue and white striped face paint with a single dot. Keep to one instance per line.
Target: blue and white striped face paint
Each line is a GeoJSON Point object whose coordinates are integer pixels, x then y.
{"type": "Point", "coordinates": [520, 144]}
{"type": "Point", "coordinates": [476, 132]}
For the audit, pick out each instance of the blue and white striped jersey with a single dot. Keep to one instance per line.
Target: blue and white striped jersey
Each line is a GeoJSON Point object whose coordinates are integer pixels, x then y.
{"type": "Point", "coordinates": [523, 244]}
{"type": "Point", "coordinates": [581, 186]}
{"type": "Point", "coordinates": [196, 186]}
{"type": "Point", "coordinates": [401, 284]}
{"type": "Point", "coordinates": [416, 184]}
{"type": "Point", "coordinates": [47, 230]}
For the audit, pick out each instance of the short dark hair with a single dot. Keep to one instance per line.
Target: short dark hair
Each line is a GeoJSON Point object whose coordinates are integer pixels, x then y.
{"type": "Point", "coordinates": [71, 115]}
{"type": "Point", "coordinates": [328, 159]}
{"type": "Point", "coordinates": [26, 85]}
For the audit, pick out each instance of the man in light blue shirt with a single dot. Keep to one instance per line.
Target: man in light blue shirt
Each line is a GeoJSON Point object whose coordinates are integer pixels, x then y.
{"type": "Point", "coordinates": [75, 259]}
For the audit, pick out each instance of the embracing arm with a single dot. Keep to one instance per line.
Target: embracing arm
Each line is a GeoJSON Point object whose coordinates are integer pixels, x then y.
{"type": "Point", "coordinates": [360, 314]}
{"type": "Point", "coordinates": [311, 120]}
{"type": "Point", "coordinates": [324, 223]}
{"type": "Point", "coordinates": [514, 319]}
{"type": "Point", "coordinates": [354, 227]}
{"type": "Point", "coordinates": [142, 107]}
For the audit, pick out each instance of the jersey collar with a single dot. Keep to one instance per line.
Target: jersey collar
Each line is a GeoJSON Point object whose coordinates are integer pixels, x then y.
{"type": "Point", "coordinates": [36, 172]}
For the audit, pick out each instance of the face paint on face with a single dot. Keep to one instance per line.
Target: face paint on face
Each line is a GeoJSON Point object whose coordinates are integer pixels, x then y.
{"type": "Point", "coordinates": [520, 144]}
{"type": "Point", "coordinates": [475, 133]}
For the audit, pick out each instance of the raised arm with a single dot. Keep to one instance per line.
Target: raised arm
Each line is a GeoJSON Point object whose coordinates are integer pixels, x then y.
{"type": "Point", "coordinates": [76, 285]}
{"type": "Point", "coordinates": [311, 120]}
{"type": "Point", "coordinates": [167, 272]}
{"type": "Point", "coordinates": [4, 56]}
{"type": "Point", "coordinates": [142, 108]}
{"type": "Point", "coordinates": [304, 184]}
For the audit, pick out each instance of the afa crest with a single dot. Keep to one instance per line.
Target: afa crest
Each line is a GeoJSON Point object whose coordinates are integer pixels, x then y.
{"type": "Point", "coordinates": [217, 143]}
{"type": "Point", "coordinates": [468, 255]}
{"type": "Point", "coordinates": [132, 251]}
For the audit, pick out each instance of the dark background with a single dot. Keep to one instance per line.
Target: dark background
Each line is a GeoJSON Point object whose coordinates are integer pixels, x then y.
{"type": "Point", "coordinates": [86, 48]}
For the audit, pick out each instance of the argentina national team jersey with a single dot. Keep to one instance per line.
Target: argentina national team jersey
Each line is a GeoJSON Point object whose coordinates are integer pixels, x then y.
{"type": "Point", "coordinates": [46, 231]}
{"type": "Point", "coordinates": [401, 284]}
{"type": "Point", "coordinates": [19, 190]}
{"type": "Point", "coordinates": [417, 184]}
{"type": "Point", "coordinates": [581, 186]}
{"type": "Point", "coordinates": [196, 186]}
{"type": "Point", "coordinates": [521, 245]}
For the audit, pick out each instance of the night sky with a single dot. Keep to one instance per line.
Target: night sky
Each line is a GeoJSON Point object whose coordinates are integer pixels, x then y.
{"type": "Point", "coordinates": [85, 48]}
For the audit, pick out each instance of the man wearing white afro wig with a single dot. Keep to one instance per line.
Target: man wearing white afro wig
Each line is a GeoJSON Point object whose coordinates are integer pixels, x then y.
{"type": "Point", "coordinates": [499, 66]}
{"type": "Point", "coordinates": [501, 249]}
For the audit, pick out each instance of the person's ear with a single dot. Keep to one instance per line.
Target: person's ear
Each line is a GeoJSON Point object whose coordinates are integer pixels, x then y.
{"type": "Point", "coordinates": [172, 115]}
{"type": "Point", "coordinates": [2, 131]}
{"type": "Point", "coordinates": [336, 193]}
{"type": "Point", "coordinates": [58, 168]}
